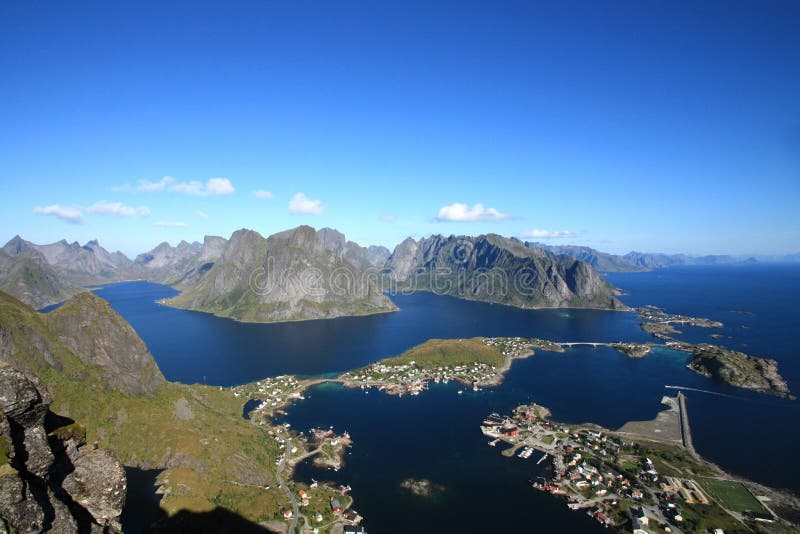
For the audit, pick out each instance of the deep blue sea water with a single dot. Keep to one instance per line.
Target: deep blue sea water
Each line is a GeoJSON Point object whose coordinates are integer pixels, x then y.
{"type": "Point", "coordinates": [436, 435]}
{"type": "Point", "coordinates": [197, 347]}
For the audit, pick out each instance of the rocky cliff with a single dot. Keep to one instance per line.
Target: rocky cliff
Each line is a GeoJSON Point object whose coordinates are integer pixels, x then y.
{"type": "Point", "coordinates": [364, 258]}
{"type": "Point", "coordinates": [492, 268]}
{"type": "Point", "coordinates": [289, 276]}
{"type": "Point", "coordinates": [50, 480]}
{"type": "Point", "coordinates": [168, 264]}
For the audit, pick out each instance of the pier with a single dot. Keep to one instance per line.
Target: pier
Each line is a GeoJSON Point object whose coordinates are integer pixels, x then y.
{"type": "Point", "coordinates": [686, 433]}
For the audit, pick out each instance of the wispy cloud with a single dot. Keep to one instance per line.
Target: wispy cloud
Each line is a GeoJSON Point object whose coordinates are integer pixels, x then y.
{"type": "Point", "coordinates": [213, 187]}
{"type": "Point", "coordinates": [300, 203]}
{"type": "Point", "coordinates": [201, 214]}
{"type": "Point", "coordinates": [387, 218]}
{"type": "Point", "coordinates": [546, 234]}
{"type": "Point", "coordinates": [149, 187]}
{"type": "Point", "coordinates": [170, 224]}
{"type": "Point", "coordinates": [72, 215]}
{"type": "Point", "coordinates": [458, 212]}
{"type": "Point", "coordinates": [263, 195]}
{"type": "Point", "coordinates": [118, 209]}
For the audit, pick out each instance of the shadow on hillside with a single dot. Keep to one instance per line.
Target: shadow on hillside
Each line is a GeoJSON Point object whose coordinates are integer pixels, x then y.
{"type": "Point", "coordinates": [218, 520]}
{"type": "Point", "coordinates": [142, 513]}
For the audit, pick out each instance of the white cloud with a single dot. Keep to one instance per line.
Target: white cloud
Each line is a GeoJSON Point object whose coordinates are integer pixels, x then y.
{"type": "Point", "coordinates": [171, 224]}
{"type": "Point", "coordinates": [118, 209]}
{"type": "Point", "coordinates": [72, 215]}
{"type": "Point", "coordinates": [213, 187]}
{"type": "Point", "coordinates": [219, 187]}
{"type": "Point", "coordinates": [263, 195]}
{"type": "Point", "coordinates": [387, 218]}
{"type": "Point", "coordinates": [458, 212]}
{"type": "Point", "coordinates": [546, 234]}
{"type": "Point", "coordinates": [300, 203]}
{"type": "Point", "coordinates": [201, 214]}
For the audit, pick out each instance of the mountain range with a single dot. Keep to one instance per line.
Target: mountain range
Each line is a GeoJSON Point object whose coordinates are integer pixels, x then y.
{"type": "Point", "coordinates": [303, 273]}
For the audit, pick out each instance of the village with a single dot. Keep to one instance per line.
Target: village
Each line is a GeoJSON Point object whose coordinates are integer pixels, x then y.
{"type": "Point", "coordinates": [411, 377]}
{"type": "Point", "coordinates": [611, 478]}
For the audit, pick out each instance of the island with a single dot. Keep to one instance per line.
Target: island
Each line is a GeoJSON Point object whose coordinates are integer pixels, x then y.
{"type": "Point", "coordinates": [659, 323]}
{"type": "Point", "coordinates": [422, 487]}
{"type": "Point", "coordinates": [475, 362]}
{"type": "Point", "coordinates": [633, 350]}
{"type": "Point", "coordinates": [735, 368]}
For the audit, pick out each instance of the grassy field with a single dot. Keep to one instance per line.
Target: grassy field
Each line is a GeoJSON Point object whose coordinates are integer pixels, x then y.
{"type": "Point", "coordinates": [449, 352]}
{"type": "Point", "coordinates": [733, 496]}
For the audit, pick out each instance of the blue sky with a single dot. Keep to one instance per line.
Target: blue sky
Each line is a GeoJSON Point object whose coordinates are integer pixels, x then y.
{"type": "Point", "coordinates": [656, 126]}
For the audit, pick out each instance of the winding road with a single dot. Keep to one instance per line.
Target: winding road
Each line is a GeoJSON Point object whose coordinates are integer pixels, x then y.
{"type": "Point", "coordinates": [284, 487]}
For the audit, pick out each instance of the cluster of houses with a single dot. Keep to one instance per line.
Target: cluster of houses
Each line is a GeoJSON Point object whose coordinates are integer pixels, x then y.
{"type": "Point", "coordinates": [274, 393]}
{"type": "Point", "coordinates": [594, 471]}
{"type": "Point", "coordinates": [411, 379]}
{"type": "Point", "coordinates": [511, 347]}
{"type": "Point", "coordinates": [282, 436]}
{"type": "Point", "coordinates": [340, 514]}
{"type": "Point", "coordinates": [654, 314]}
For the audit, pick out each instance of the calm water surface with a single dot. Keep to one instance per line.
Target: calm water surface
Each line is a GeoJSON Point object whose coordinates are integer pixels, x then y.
{"type": "Point", "coordinates": [436, 434]}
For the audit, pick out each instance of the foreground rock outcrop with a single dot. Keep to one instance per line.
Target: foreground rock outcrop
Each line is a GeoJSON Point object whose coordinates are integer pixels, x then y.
{"type": "Point", "coordinates": [50, 480]}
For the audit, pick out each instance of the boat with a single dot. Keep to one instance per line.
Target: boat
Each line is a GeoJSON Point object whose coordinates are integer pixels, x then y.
{"type": "Point", "coordinates": [526, 453]}
{"type": "Point", "coordinates": [460, 392]}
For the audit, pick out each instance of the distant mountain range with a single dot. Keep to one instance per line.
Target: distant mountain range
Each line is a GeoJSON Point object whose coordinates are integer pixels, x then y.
{"type": "Point", "coordinates": [645, 261]}
{"type": "Point", "coordinates": [307, 274]}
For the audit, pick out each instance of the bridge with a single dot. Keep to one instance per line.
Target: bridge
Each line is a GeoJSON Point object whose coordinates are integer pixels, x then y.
{"type": "Point", "coordinates": [594, 344]}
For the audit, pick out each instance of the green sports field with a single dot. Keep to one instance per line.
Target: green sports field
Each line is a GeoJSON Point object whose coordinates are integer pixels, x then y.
{"type": "Point", "coordinates": [734, 496]}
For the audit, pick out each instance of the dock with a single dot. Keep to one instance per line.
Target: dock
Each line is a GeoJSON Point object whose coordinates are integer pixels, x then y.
{"type": "Point", "coordinates": [686, 433]}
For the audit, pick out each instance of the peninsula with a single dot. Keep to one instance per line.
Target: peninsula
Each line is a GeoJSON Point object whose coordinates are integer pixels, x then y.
{"type": "Point", "coordinates": [644, 477]}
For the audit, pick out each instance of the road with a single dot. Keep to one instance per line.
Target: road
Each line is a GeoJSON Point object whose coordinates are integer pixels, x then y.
{"type": "Point", "coordinates": [284, 487]}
